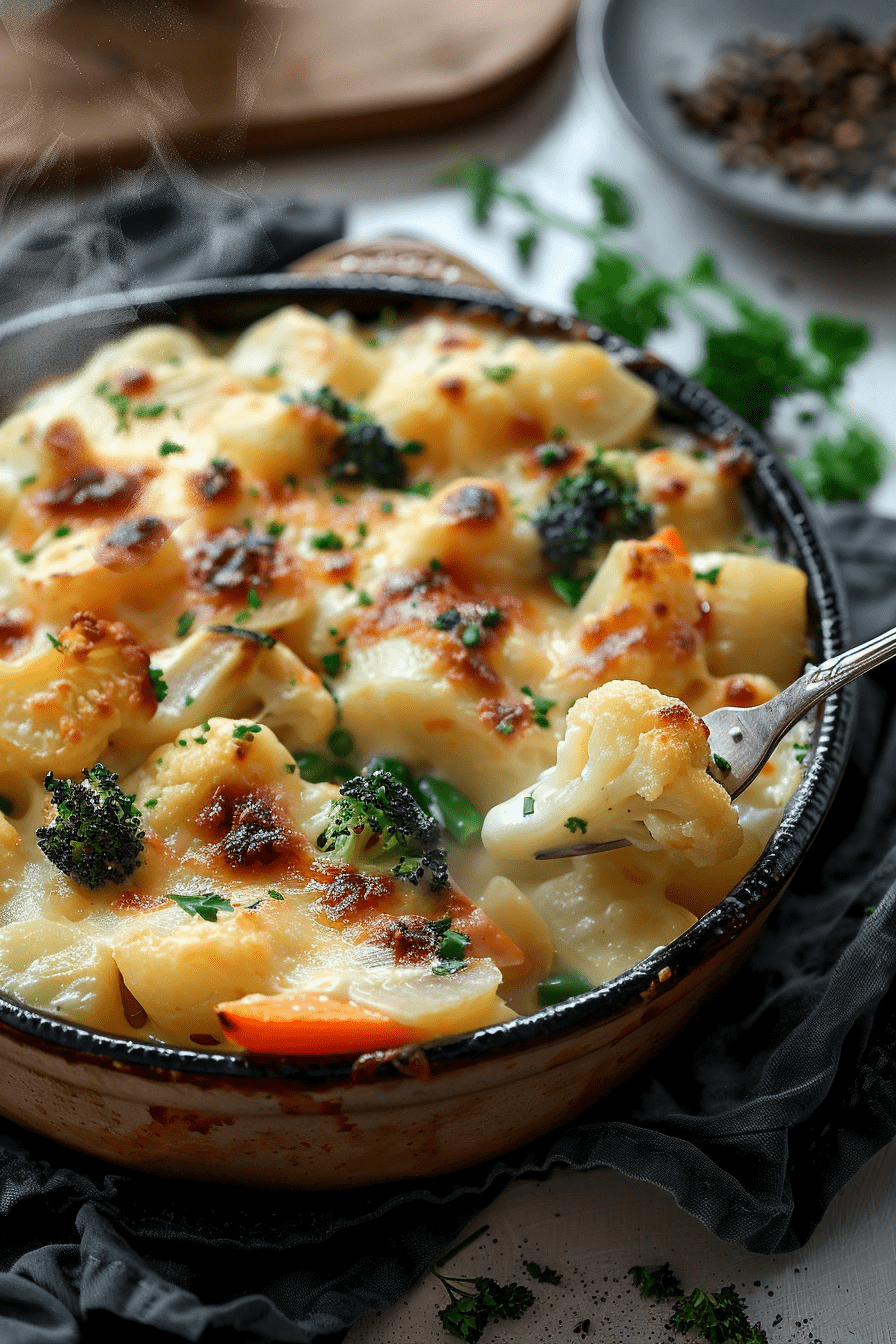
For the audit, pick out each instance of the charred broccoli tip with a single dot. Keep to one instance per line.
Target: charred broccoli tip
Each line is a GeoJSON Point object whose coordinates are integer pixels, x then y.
{"type": "Point", "coordinates": [95, 837]}
{"type": "Point", "coordinates": [376, 820]}
{"type": "Point", "coordinates": [584, 511]}
{"type": "Point", "coordinates": [364, 453]}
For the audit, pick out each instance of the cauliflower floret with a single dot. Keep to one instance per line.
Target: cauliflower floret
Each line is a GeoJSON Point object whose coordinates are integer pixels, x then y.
{"type": "Point", "coordinates": [294, 348]}
{"type": "Point", "coordinates": [59, 710]}
{"type": "Point", "coordinates": [238, 673]}
{"type": "Point", "coordinates": [608, 912]}
{"type": "Point", "coordinates": [467, 394]}
{"type": "Point", "coordinates": [469, 527]}
{"type": "Point", "coordinates": [699, 496]}
{"type": "Point", "coordinates": [631, 766]}
{"type": "Point", "coordinates": [265, 437]}
{"type": "Point", "coordinates": [60, 968]}
{"type": "Point", "coordinates": [228, 791]}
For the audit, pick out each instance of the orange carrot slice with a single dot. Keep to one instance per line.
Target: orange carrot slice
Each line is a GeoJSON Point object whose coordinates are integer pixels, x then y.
{"type": "Point", "coordinates": [670, 537]}
{"type": "Point", "coordinates": [300, 1022]}
{"type": "Point", "coordinates": [486, 938]}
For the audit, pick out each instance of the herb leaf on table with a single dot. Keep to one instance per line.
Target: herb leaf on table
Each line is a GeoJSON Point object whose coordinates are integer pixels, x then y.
{"type": "Point", "coordinates": [752, 358]}
{"type": "Point", "coordinates": [477, 1302]}
{"type": "Point", "coordinates": [718, 1318]}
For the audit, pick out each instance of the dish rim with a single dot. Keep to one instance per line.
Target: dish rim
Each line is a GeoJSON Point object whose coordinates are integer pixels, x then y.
{"type": "Point", "coordinates": [718, 927]}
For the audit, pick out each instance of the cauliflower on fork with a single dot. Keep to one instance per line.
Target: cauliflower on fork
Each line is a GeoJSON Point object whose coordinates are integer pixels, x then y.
{"type": "Point", "coordinates": [632, 766]}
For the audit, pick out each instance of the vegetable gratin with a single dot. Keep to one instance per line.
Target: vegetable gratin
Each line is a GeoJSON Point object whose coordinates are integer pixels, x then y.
{"type": "Point", "coordinates": [309, 645]}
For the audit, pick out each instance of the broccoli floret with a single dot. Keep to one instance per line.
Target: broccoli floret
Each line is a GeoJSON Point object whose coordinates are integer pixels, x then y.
{"type": "Point", "coordinates": [364, 452]}
{"type": "Point", "coordinates": [95, 837]}
{"type": "Point", "coordinates": [583, 511]}
{"type": "Point", "coordinates": [376, 821]}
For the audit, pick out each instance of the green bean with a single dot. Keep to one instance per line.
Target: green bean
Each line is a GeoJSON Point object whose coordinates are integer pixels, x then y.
{"type": "Point", "coordinates": [341, 742]}
{"type": "Point", "coordinates": [450, 807]}
{"type": "Point", "coordinates": [312, 766]}
{"type": "Point", "coordinates": [564, 985]}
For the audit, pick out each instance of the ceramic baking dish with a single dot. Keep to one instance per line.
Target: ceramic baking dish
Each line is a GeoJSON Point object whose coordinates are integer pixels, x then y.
{"type": "Point", "coordinates": [424, 1109]}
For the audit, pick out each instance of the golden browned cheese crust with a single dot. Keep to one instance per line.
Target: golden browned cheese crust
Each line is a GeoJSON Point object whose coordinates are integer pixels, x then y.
{"type": "Point", "coordinates": [197, 591]}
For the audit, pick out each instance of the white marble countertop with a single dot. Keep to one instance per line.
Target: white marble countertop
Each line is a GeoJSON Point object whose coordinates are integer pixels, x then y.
{"type": "Point", "coordinates": [592, 1227]}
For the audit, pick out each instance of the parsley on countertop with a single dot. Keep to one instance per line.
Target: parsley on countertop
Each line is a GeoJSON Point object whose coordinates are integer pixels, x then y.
{"type": "Point", "coordinates": [751, 356]}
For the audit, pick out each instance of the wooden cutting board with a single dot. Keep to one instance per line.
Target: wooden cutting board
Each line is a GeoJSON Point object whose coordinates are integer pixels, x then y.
{"type": "Point", "coordinates": [92, 84]}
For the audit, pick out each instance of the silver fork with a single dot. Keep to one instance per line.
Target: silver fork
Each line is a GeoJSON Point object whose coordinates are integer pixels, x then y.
{"type": "Point", "coordinates": [741, 740]}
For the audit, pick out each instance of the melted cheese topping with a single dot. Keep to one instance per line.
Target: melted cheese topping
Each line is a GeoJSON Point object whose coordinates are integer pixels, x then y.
{"type": "Point", "coordinates": [168, 509]}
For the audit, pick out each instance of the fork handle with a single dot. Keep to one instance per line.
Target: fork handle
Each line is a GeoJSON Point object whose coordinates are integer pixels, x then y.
{"type": "Point", "coordinates": [766, 724]}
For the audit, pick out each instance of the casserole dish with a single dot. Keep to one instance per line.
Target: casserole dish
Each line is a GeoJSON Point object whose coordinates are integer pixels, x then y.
{"type": "Point", "coordinates": [421, 1109]}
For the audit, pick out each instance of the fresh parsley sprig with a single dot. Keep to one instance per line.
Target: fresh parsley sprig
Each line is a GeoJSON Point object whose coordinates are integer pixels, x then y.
{"type": "Point", "coordinates": [477, 1302]}
{"type": "Point", "coordinates": [751, 357]}
{"type": "Point", "coordinates": [718, 1318]}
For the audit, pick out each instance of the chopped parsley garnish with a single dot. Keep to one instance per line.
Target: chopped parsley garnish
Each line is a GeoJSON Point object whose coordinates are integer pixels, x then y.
{"type": "Point", "coordinates": [150, 803]}
{"type": "Point", "coordinates": [332, 664]}
{"type": "Point", "coordinates": [540, 707]}
{"type": "Point", "coordinates": [246, 729]}
{"type": "Point", "coordinates": [801, 751]}
{"type": "Point", "coordinates": [574, 824]}
{"type": "Point", "coordinates": [57, 643]}
{"type": "Point", "coordinates": [159, 684]}
{"type": "Point", "coordinates": [528, 806]}
{"type": "Point", "coordinates": [471, 636]}
{"type": "Point", "coordinates": [448, 619]}
{"type": "Point", "coordinates": [28, 480]}
{"type": "Point", "coordinates": [708, 575]}
{"type": "Point", "coordinates": [451, 951]}
{"type": "Point", "coordinates": [364, 599]}
{"type": "Point", "coordinates": [117, 400]}
{"type": "Point", "coordinates": [205, 904]}
{"type": "Point", "coordinates": [273, 371]}
{"type": "Point", "coordinates": [25, 557]}
{"type": "Point", "coordinates": [275, 895]}
{"type": "Point", "coordinates": [147, 412]}
{"type": "Point", "coordinates": [720, 763]}
{"type": "Point", "coordinates": [386, 507]}
{"type": "Point", "coordinates": [542, 1274]}
{"type": "Point", "coordinates": [328, 541]}
{"type": "Point", "coordinates": [423, 488]}
{"type": "Point", "coordinates": [167, 448]}
{"type": "Point", "coordinates": [62, 531]}
{"type": "Point", "coordinates": [253, 599]}
{"type": "Point", "coordinates": [499, 373]}
{"type": "Point", "coordinates": [185, 622]}
{"type": "Point", "coordinates": [276, 529]}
